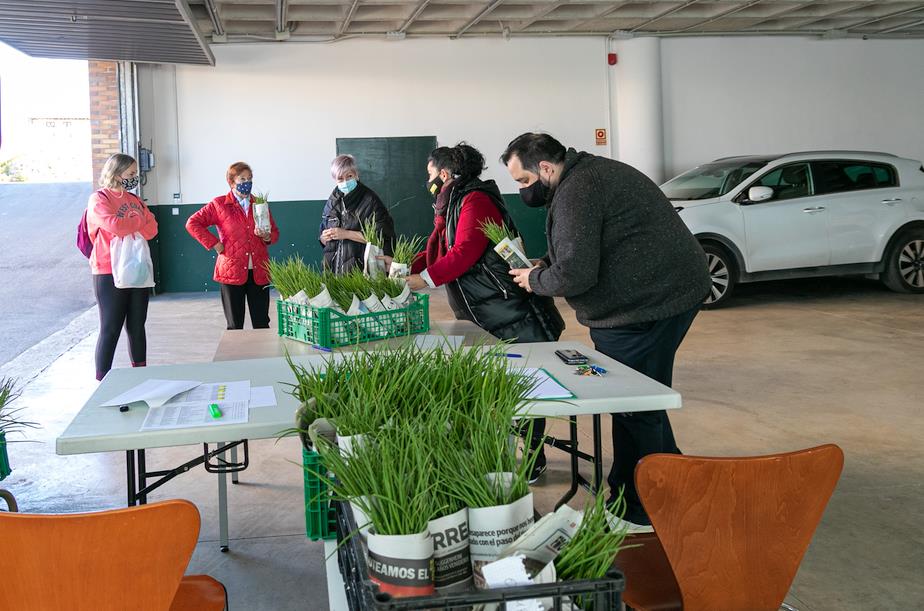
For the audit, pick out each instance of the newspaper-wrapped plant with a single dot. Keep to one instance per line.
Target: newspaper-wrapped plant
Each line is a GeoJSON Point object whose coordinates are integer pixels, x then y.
{"type": "Point", "coordinates": [507, 244]}
{"type": "Point", "coordinates": [372, 264]}
{"type": "Point", "coordinates": [405, 250]}
{"type": "Point", "coordinates": [590, 553]}
{"type": "Point", "coordinates": [261, 215]}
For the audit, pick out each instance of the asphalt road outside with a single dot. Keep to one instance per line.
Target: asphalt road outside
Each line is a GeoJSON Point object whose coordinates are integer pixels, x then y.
{"type": "Point", "coordinates": [44, 280]}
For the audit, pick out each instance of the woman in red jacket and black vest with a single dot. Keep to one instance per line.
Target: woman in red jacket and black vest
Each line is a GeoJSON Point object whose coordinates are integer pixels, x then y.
{"type": "Point", "coordinates": [240, 267]}
{"type": "Point", "coordinates": [459, 256]}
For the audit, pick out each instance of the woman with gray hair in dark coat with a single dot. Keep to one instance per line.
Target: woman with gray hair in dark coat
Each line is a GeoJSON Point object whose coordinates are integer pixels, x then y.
{"type": "Point", "coordinates": [349, 207]}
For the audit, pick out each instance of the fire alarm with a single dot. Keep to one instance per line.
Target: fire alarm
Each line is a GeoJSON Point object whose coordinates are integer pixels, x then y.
{"type": "Point", "coordinates": [611, 59]}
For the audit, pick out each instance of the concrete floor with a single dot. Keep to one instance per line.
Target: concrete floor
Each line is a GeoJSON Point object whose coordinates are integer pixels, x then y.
{"type": "Point", "coordinates": [787, 366]}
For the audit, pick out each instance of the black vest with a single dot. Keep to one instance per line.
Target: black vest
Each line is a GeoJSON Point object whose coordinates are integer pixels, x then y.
{"type": "Point", "coordinates": [486, 294]}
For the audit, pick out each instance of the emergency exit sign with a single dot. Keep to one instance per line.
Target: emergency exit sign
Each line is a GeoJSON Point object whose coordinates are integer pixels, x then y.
{"type": "Point", "coordinates": [600, 135]}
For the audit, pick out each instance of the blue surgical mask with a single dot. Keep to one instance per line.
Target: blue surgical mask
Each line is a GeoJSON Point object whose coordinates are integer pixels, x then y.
{"type": "Point", "coordinates": [347, 186]}
{"type": "Point", "coordinates": [245, 187]}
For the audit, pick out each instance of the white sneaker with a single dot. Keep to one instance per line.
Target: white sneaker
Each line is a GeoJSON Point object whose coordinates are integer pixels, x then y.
{"type": "Point", "coordinates": [631, 528]}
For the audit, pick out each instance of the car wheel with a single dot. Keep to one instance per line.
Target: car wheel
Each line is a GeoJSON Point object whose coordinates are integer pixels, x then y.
{"type": "Point", "coordinates": [723, 273]}
{"type": "Point", "coordinates": [904, 271]}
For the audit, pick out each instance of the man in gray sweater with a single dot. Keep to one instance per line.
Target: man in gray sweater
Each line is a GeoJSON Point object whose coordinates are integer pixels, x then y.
{"type": "Point", "coordinates": [622, 258]}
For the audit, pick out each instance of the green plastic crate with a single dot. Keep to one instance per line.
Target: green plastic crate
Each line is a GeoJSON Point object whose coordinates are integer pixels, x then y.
{"type": "Point", "coordinates": [320, 520]}
{"type": "Point", "coordinates": [329, 328]}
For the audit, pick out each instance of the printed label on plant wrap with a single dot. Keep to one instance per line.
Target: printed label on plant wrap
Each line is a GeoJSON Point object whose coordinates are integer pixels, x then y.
{"type": "Point", "coordinates": [452, 565]}
{"type": "Point", "coordinates": [402, 565]}
{"type": "Point", "coordinates": [491, 529]}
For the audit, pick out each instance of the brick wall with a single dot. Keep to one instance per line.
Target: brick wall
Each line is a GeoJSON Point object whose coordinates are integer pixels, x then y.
{"type": "Point", "coordinates": [104, 113]}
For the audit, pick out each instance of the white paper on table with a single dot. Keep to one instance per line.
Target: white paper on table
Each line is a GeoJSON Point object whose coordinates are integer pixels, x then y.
{"type": "Point", "coordinates": [262, 396]}
{"type": "Point", "coordinates": [214, 392]}
{"type": "Point", "coordinates": [185, 415]}
{"type": "Point", "coordinates": [546, 387]}
{"type": "Point", "coordinates": [429, 342]}
{"type": "Point", "coordinates": [153, 392]}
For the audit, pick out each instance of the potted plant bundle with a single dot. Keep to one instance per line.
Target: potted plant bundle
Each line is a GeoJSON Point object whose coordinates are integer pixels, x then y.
{"type": "Point", "coordinates": [507, 244]}
{"type": "Point", "coordinates": [10, 421]}
{"type": "Point", "coordinates": [261, 215]}
{"type": "Point", "coordinates": [494, 480]}
{"type": "Point", "coordinates": [389, 478]}
{"type": "Point", "coordinates": [405, 251]}
{"type": "Point", "coordinates": [373, 265]}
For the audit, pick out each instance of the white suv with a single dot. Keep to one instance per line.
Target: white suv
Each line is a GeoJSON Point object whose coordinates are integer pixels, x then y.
{"type": "Point", "coordinates": [818, 213]}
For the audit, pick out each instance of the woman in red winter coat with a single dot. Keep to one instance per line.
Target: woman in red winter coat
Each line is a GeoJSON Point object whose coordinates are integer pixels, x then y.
{"type": "Point", "coordinates": [240, 267]}
{"type": "Point", "coordinates": [115, 212]}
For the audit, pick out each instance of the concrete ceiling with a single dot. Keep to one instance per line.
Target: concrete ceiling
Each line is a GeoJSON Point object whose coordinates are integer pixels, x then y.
{"type": "Point", "coordinates": [233, 20]}
{"type": "Point", "coordinates": [180, 31]}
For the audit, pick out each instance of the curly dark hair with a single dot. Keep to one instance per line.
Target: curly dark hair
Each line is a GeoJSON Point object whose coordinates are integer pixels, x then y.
{"type": "Point", "coordinates": [462, 160]}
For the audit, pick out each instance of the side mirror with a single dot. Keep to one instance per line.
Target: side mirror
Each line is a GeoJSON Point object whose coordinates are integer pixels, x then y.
{"type": "Point", "coordinates": [759, 194]}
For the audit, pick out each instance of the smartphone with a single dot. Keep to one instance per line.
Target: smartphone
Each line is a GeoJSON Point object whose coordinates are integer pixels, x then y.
{"type": "Point", "coordinates": [571, 357]}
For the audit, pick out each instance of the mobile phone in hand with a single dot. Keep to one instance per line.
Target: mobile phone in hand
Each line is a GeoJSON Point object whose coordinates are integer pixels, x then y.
{"type": "Point", "coordinates": [571, 357]}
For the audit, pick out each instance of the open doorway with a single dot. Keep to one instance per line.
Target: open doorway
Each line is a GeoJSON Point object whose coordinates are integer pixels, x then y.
{"type": "Point", "coordinates": [46, 177]}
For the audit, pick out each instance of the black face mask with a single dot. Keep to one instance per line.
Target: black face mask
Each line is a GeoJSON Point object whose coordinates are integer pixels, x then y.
{"type": "Point", "coordinates": [535, 195]}
{"type": "Point", "coordinates": [435, 186]}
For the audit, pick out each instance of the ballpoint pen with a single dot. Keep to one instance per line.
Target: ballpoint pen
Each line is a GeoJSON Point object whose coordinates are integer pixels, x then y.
{"type": "Point", "coordinates": [321, 348]}
{"type": "Point", "coordinates": [511, 355]}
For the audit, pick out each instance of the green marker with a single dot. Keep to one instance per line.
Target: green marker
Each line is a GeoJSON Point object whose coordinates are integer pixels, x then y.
{"type": "Point", "coordinates": [214, 410]}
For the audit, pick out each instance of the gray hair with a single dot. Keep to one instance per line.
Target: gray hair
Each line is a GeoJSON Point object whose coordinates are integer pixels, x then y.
{"type": "Point", "coordinates": [341, 165]}
{"type": "Point", "coordinates": [110, 175]}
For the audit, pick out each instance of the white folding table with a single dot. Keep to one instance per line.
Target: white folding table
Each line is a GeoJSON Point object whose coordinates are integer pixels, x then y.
{"type": "Point", "coordinates": [105, 429]}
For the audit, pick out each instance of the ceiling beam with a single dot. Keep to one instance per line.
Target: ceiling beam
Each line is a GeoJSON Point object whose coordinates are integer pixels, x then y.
{"type": "Point", "coordinates": [884, 17]}
{"type": "Point", "coordinates": [901, 27]}
{"type": "Point", "coordinates": [484, 13]}
{"type": "Point", "coordinates": [784, 12]}
{"type": "Point", "coordinates": [348, 19]}
{"type": "Point", "coordinates": [217, 27]}
{"type": "Point", "coordinates": [832, 14]}
{"type": "Point", "coordinates": [183, 7]}
{"type": "Point", "coordinates": [420, 8]}
{"type": "Point", "coordinates": [663, 14]}
{"type": "Point", "coordinates": [605, 13]}
{"type": "Point", "coordinates": [721, 15]}
{"type": "Point", "coordinates": [541, 14]}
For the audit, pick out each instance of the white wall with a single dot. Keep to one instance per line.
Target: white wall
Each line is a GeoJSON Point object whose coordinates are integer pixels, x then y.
{"type": "Point", "coordinates": [732, 96]}
{"type": "Point", "coordinates": [280, 107]}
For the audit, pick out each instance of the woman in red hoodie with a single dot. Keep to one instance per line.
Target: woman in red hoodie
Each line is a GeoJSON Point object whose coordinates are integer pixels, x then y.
{"type": "Point", "coordinates": [240, 267]}
{"type": "Point", "coordinates": [113, 212]}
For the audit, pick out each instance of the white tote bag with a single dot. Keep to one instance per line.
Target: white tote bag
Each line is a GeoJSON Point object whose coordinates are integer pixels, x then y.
{"type": "Point", "coordinates": [131, 262]}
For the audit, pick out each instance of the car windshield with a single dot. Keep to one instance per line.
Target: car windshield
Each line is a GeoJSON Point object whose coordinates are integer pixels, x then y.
{"type": "Point", "coordinates": [711, 180]}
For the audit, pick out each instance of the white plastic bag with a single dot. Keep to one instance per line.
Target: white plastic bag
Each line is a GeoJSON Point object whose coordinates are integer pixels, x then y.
{"type": "Point", "coordinates": [131, 262]}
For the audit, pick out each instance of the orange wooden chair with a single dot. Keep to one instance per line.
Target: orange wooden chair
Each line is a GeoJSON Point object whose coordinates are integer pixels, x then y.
{"type": "Point", "coordinates": [730, 532]}
{"type": "Point", "coordinates": [110, 560]}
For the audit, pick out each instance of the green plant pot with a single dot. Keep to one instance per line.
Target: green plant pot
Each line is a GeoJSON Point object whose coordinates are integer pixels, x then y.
{"type": "Point", "coordinates": [4, 458]}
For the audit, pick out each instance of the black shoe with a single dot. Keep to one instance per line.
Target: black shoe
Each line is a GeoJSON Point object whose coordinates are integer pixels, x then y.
{"type": "Point", "coordinates": [538, 469]}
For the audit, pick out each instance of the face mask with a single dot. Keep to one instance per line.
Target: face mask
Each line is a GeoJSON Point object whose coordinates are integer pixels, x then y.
{"type": "Point", "coordinates": [347, 185]}
{"type": "Point", "coordinates": [535, 195]}
{"type": "Point", "coordinates": [244, 187]}
{"type": "Point", "coordinates": [435, 186]}
{"type": "Point", "coordinates": [130, 183]}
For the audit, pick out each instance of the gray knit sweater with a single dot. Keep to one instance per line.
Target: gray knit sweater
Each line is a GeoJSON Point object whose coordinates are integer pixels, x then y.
{"type": "Point", "coordinates": [618, 252]}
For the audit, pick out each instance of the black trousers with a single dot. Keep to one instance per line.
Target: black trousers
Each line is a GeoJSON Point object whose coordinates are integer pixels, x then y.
{"type": "Point", "coordinates": [648, 348]}
{"type": "Point", "coordinates": [118, 308]}
{"type": "Point", "coordinates": [257, 296]}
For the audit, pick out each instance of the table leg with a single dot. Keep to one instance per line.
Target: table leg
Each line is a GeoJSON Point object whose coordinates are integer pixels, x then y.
{"type": "Point", "coordinates": [573, 453]}
{"type": "Point", "coordinates": [234, 461]}
{"type": "Point", "coordinates": [130, 468]}
{"type": "Point", "coordinates": [142, 478]}
{"type": "Point", "coordinates": [598, 453]}
{"type": "Point", "coordinates": [222, 505]}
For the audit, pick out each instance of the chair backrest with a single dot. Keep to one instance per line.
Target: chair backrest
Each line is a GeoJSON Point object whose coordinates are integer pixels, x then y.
{"type": "Point", "coordinates": [735, 529]}
{"type": "Point", "coordinates": [111, 560]}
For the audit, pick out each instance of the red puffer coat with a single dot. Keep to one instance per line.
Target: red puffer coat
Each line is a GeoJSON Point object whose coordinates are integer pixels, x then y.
{"type": "Point", "coordinates": [236, 233]}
